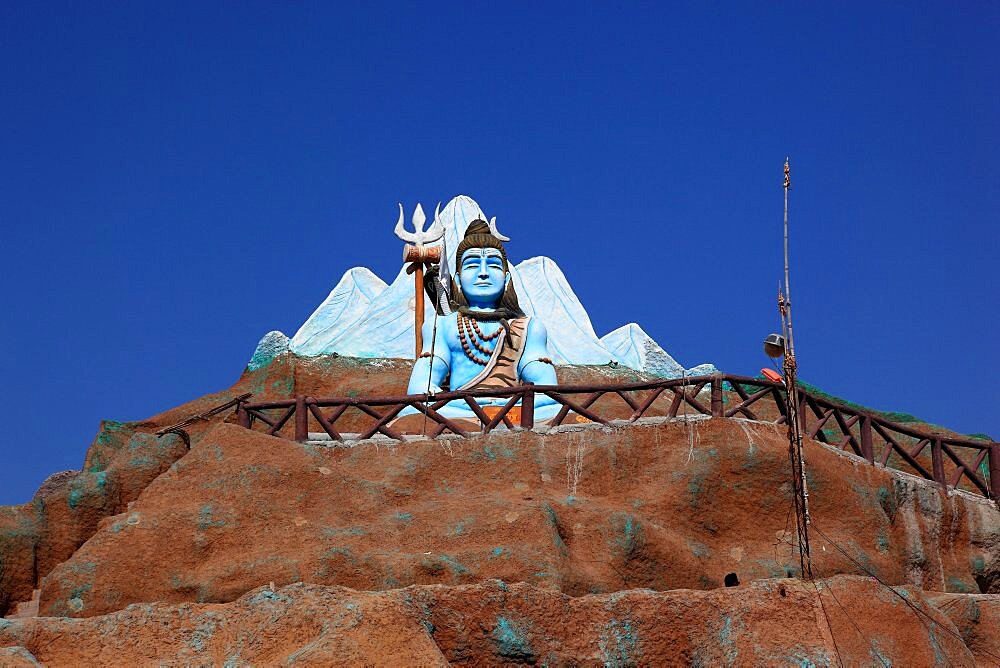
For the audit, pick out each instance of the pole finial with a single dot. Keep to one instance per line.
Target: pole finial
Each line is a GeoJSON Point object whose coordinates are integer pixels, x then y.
{"type": "Point", "coordinates": [788, 175]}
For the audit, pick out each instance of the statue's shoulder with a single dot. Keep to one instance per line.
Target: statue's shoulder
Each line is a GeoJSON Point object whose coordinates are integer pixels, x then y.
{"type": "Point", "coordinates": [534, 326]}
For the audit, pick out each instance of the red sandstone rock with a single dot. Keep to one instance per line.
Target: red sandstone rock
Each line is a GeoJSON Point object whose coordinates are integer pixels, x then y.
{"type": "Point", "coordinates": [26, 608]}
{"type": "Point", "coordinates": [126, 456]}
{"type": "Point", "coordinates": [36, 536]}
{"type": "Point", "coordinates": [770, 622]}
{"type": "Point", "coordinates": [593, 510]}
{"type": "Point", "coordinates": [669, 507]}
{"type": "Point", "coordinates": [56, 483]}
{"type": "Point", "coordinates": [977, 618]}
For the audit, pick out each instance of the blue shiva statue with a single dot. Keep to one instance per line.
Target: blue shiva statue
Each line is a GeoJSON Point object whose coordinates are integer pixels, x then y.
{"type": "Point", "coordinates": [486, 341]}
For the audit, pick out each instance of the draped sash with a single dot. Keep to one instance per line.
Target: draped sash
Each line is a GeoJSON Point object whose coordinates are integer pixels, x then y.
{"type": "Point", "coordinates": [501, 371]}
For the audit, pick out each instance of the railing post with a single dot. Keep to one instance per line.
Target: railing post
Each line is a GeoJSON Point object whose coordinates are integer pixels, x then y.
{"type": "Point", "coordinates": [937, 459]}
{"type": "Point", "coordinates": [528, 408]}
{"type": "Point", "coordinates": [242, 415]}
{"type": "Point", "coordinates": [866, 439]}
{"type": "Point", "coordinates": [717, 396]}
{"type": "Point", "coordinates": [301, 419]}
{"type": "Point", "coordinates": [995, 471]}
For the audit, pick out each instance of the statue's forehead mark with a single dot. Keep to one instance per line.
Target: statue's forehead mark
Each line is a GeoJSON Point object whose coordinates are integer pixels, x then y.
{"type": "Point", "coordinates": [481, 252]}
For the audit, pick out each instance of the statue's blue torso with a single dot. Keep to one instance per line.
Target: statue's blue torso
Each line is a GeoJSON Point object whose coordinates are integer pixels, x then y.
{"type": "Point", "coordinates": [483, 278]}
{"type": "Point", "coordinates": [447, 347]}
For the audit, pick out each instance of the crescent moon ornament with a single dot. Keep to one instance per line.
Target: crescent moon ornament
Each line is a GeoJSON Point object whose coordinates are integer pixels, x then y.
{"type": "Point", "coordinates": [495, 232]}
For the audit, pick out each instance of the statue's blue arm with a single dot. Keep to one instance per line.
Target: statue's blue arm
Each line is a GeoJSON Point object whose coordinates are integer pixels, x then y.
{"type": "Point", "coordinates": [530, 369]}
{"type": "Point", "coordinates": [423, 369]}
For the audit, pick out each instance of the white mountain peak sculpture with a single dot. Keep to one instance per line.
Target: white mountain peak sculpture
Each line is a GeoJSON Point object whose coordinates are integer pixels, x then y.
{"type": "Point", "coordinates": [632, 347]}
{"type": "Point", "coordinates": [364, 317]}
{"type": "Point", "coordinates": [345, 306]}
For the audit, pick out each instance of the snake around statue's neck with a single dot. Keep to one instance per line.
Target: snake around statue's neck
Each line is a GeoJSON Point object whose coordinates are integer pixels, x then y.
{"type": "Point", "coordinates": [501, 315]}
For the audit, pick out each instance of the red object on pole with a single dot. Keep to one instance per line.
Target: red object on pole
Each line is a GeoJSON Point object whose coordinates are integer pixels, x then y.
{"type": "Point", "coordinates": [772, 375]}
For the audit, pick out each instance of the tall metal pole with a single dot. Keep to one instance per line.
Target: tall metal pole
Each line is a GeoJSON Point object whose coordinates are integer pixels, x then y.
{"type": "Point", "coordinates": [788, 291]}
{"type": "Point", "coordinates": [799, 482]}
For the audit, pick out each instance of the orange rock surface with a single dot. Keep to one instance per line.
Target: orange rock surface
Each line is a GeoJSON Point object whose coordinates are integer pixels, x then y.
{"type": "Point", "coordinates": [770, 622]}
{"type": "Point", "coordinates": [584, 545]}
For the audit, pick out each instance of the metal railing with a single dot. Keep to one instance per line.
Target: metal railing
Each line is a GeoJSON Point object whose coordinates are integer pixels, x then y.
{"type": "Point", "coordinates": [954, 462]}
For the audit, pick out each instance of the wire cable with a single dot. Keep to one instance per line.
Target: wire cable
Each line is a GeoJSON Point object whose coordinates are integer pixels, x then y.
{"type": "Point", "coordinates": [918, 611]}
{"type": "Point", "coordinates": [684, 417]}
{"type": "Point", "coordinates": [849, 616]}
{"type": "Point", "coordinates": [822, 606]}
{"type": "Point", "coordinates": [784, 532]}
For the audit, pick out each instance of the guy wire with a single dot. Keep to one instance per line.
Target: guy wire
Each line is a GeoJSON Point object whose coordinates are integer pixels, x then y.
{"type": "Point", "coordinates": [687, 423]}
{"type": "Point", "coordinates": [836, 647]}
{"type": "Point", "coordinates": [904, 599]}
{"type": "Point", "coordinates": [430, 369]}
{"type": "Point", "coordinates": [850, 618]}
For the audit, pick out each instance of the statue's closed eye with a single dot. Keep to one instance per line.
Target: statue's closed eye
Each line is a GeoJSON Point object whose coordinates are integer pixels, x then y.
{"type": "Point", "coordinates": [475, 261]}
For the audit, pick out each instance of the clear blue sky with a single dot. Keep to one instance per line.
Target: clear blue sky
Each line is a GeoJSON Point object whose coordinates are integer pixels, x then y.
{"type": "Point", "coordinates": [180, 178]}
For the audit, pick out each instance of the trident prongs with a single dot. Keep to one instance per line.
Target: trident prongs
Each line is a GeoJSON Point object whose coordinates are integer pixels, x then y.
{"type": "Point", "coordinates": [418, 236]}
{"type": "Point", "coordinates": [495, 232]}
{"type": "Point", "coordinates": [437, 227]}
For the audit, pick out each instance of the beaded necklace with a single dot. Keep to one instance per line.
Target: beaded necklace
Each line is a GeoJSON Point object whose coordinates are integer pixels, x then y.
{"type": "Point", "coordinates": [469, 332]}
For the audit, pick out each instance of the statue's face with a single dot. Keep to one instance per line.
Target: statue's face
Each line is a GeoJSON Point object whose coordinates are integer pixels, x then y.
{"type": "Point", "coordinates": [482, 277]}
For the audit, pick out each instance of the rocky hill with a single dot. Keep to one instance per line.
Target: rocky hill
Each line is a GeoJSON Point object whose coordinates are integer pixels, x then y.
{"type": "Point", "coordinates": [586, 545]}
